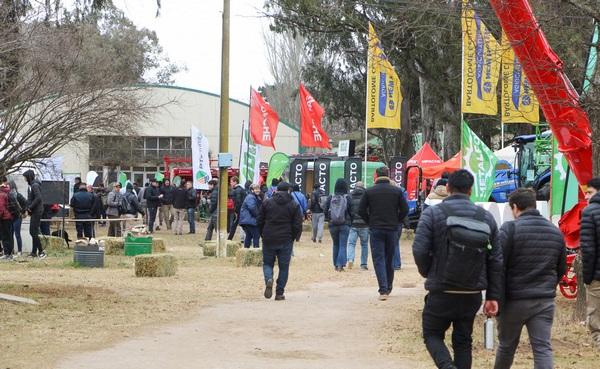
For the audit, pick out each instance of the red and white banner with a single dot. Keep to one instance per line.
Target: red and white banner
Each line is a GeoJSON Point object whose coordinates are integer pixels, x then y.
{"type": "Point", "coordinates": [311, 113]}
{"type": "Point", "coordinates": [263, 121]}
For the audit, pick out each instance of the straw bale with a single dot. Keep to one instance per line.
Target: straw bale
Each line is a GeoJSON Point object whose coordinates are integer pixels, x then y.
{"type": "Point", "coordinates": [210, 248]}
{"type": "Point", "coordinates": [248, 257]}
{"type": "Point", "coordinates": [158, 246]}
{"type": "Point", "coordinates": [232, 247]}
{"type": "Point", "coordinates": [51, 243]}
{"type": "Point", "coordinates": [155, 265]}
{"type": "Point", "coordinates": [113, 245]}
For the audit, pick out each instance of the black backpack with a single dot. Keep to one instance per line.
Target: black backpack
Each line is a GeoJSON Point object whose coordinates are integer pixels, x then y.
{"type": "Point", "coordinates": [467, 245]}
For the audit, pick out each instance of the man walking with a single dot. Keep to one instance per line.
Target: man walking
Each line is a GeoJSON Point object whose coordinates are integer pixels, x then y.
{"type": "Point", "coordinates": [166, 203]}
{"type": "Point", "coordinates": [35, 209]}
{"type": "Point", "coordinates": [280, 223]}
{"type": "Point", "coordinates": [383, 207]}
{"type": "Point", "coordinates": [238, 194]}
{"type": "Point", "coordinates": [317, 214]}
{"type": "Point", "coordinates": [82, 203]}
{"type": "Point", "coordinates": [590, 254]}
{"type": "Point", "coordinates": [456, 248]}
{"type": "Point", "coordinates": [534, 255]}
{"type": "Point", "coordinates": [152, 196]}
{"type": "Point", "coordinates": [358, 230]}
{"type": "Point", "coordinates": [213, 186]}
{"type": "Point", "coordinates": [191, 205]}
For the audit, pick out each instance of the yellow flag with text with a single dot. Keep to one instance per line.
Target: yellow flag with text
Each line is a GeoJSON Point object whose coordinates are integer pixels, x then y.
{"type": "Point", "coordinates": [481, 65]}
{"type": "Point", "coordinates": [519, 103]}
{"type": "Point", "coordinates": [384, 97]}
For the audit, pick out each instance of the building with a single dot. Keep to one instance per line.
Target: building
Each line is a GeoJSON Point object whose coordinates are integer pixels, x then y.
{"type": "Point", "coordinates": [167, 133]}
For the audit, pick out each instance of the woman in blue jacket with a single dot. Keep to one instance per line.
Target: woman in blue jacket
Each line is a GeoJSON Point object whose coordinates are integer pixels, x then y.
{"type": "Point", "coordinates": [248, 214]}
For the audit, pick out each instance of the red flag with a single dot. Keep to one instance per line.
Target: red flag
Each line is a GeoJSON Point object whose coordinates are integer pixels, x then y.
{"type": "Point", "coordinates": [263, 121]}
{"type": "Point", "coordinates": [311, 113]}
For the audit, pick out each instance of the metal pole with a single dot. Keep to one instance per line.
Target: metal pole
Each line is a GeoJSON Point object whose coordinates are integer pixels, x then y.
{"type": "Point", "coordinates": [224, 133]}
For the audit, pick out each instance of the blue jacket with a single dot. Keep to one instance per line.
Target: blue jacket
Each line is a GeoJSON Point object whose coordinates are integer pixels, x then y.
{"type": "Point", "coordinates": [300, 200]}
{"type": "Point", "coordinates": [250, 209]}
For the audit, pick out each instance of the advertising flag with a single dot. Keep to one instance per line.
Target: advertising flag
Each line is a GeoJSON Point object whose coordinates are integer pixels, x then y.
{"type": "Point", "coordinates": [277, 165]}
{"type": "Point", "coordinates": [321, 170]}
{"type": "Point", "coordinates": [481, 65]}
{"type": "Point", "coordinates": [519, 104]}
{"type": "Point", "coordinates": [564, 187]}
{"type": "Point", "coordinates": [311, 113]}
{"type": "Point", "coordinates": [478, 159]}
{"type": "Point", "coordinates": [249, 157]}
{"type": "Point", "coordinates": [298, 173]}
{"type": "Point", "coordinates": [200, 160]}
{"type": "Point", "coordinates": [397, 168]}
{"type": "Point", "coordinates": [263, 121]}
{"type": "Point", "coordinates": [353, 171]}
{"type": "Point", "coordinates": [384, 98]}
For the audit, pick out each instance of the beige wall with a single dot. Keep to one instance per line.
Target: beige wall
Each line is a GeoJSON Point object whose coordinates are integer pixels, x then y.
{"type": "Point", "coordinates": [185, 108]}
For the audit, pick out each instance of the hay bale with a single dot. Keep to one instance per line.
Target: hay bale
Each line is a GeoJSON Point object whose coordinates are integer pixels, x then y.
{"type": "Point", "coordinates": [158, 246]}
{"type": "Point", "coordinates": [210, 248]}
{"type": "Point", "coordinates": [113, 245]}
{"type": "Point", "coordinates": [51, 243]}
{"type": "Point", "coordinates": [155, 265]}
{"type": "Point", "coordinates": [248, 257]}
{"type": "Point", "coordinates": [232, 247]}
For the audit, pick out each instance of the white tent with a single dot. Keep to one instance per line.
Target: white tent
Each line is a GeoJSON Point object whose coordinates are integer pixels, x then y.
{"type": "Point", "coordinates": [508, 153]}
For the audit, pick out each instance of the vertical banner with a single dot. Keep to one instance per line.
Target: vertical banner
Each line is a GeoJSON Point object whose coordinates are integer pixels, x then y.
{"type": "Point", "coordinates": [478, 159]}
{"type": "Point", "coordinates": [263, 121]}
{"type": "Point", "coordinates": [279, 161]}
{"type": "Point", "coordinates": [519, 103]}
{"type": "Point", "coordinates": [353, 171]}
{"type": "Point", "coordinates": [298, 173]}
{"type": "Point", "coordinates": [249, 157]}
{"type": "Point", "coordinates": [481, 65]}
{"type": "Point", "coordinates": [397, 168]}
{"type": "Point", "coordinates": [384, 96]}
{"type": "Point", "coordinates": [200, 160]}
{"type": "Point", "coordinates": [312, 133]}
{"type": "Point", "coordinates": [564, 187]}
{"type": "Point", "coordinates": [321, 171]}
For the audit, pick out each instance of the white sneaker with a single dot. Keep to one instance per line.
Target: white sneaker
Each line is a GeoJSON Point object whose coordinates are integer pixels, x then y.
{"type": "Point", "coordinates": [42, 255]}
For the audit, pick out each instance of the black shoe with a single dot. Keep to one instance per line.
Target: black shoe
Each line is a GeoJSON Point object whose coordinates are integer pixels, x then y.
{"type": "Point", "coordinates": [279, 297]}
{"type": "Point", "coordinates": [313, 240]}
{"type": "Point", "coordinates": [364, 267]}
{"type": "Point", "coordinates": [269, 289]}
{"type": "Point", "coordinates": [320, 241]}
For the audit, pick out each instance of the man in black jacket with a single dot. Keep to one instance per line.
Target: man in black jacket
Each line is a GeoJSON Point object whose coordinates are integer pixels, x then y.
{"type": "Point", "coordinates": [534, 255]}
{"type": "Point", "coordinates": [358, 230]}
{"type": "Point", "coordinates": [446, 303]}
{"type": "Point", "coordinates": [239, 194]}
{"type": "Point", "coordinates": [152, 196]}
{"type": "Point", "coordinates": [383, 207]}
{"type": "Point", "coordinates": [317, 215]}
{"type": "Point", "coordinates": [82, 203]}
{"type": "Point", "coordinates": [213, 186]}
{"type": "Point", "coordinates": [35, 208]}
{"type": "Point", "coordinates": [590, 253]}
{"type": "Point", "coordinates": [166, 204]}
{"type": "Point", "coordinates": [280, 223]}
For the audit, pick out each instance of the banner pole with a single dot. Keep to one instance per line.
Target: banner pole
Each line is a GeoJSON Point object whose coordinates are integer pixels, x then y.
{"type": "Point", "coordinates": [366, 153]}
{"type": "Point", "coordinates": [502, 134]}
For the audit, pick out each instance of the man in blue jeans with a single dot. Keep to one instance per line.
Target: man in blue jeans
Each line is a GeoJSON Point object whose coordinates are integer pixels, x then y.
{"type": "Point", "coordinates": [358, 230]}
{"type": "Point", "coordinates": [280, 223]}
{"type": "Point", "coordinates": [383, 207]}
{"type": "Point", "coordinates": [191, 206]}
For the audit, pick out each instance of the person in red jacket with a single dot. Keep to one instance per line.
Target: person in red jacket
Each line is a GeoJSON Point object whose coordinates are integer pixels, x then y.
{"type": "Point", "coordinates": [6, 220]}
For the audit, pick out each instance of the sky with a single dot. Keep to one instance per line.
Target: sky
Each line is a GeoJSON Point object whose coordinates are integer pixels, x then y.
{"type": "Point", "coordinates": [190, 33]}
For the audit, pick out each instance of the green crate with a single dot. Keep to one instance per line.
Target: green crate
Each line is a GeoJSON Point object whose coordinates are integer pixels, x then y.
{"type": "Point", "coordinates": [134, 248]}
{"type": "Point", "coordinates": [143, 239]}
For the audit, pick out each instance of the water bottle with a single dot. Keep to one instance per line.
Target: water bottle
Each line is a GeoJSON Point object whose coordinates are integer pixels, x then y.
{"type": "Point", "coordinates": [488, 334]}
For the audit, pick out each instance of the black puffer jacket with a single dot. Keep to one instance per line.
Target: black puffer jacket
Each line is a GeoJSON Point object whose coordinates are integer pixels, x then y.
{"type": "Point", "coordinates": [429, 248]}
{"type": "Point", "coordinates": [383, 205]}
{"type": "Point", "coordinates": [356, 196]}
{"type": "Point", "coordinates": [180, 198]}
{"type": "Point", "coordinates": [168, 192]}
{"type": "Point", "coordinates": [214, 201]}
{"type": "Point", "coordinates": [279, 220]}
{"type": "Point", "coordinates": [534, 255]}
{"type": "Point", "coordinates": [34, 194]}
{"type": "Point", "coordinates": [239, 194]}
{"type": "Point", "coordinates": [151, 195]}
{"type": "Point", "coordinates": [590, 240]}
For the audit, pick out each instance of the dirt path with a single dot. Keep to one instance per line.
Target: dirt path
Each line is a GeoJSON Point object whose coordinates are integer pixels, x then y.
{"type": "Point", "coordinates": [327, 326]}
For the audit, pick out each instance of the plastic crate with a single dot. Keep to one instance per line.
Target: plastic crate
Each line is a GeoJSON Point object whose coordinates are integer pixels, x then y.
{"type": "Point", "coordinates": [142, 239]}
{"type": "Point", "coordinates": [133, 249]}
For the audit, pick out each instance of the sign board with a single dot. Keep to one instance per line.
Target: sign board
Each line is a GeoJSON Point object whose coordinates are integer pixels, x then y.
{"type": "Point", "coordinates": [55, 192]}
{"type": "Point", "coordinates": [397, 170]}
{"type": "Point", "coordinates": [353, 171]}
{"type": "Point", "coordinates": [344, 148]}
{"type": "Point", "coordinates": [298, 174]}
{"type": "Point", "coordinates": [322, 170]}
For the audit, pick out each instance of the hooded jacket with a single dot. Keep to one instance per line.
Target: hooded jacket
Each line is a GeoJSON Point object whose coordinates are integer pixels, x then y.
{"type": "Point", "coordinates": [4, 200]}
{"type": "Point", "coordinates": [238, 194]}
{"type": "Point", "coordinates": [132, 200]}
{"type": "Point", "coordinates": [34, 194]}
{"type": "Point", "coordinates": [383, 206]}
{"type": "Point", "coordinates": [250, 209]}
{"type": "Point", "coordinates": [279, 220]}
{"type": "Point", "coordinates": [439, 193]}
{"type": "Point", "coordinates": [590, 240]}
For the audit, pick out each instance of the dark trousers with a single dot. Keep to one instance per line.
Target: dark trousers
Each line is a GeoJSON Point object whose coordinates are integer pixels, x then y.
{"type": "Point", "coordinates": [252, 235]}
{"type": "Point", "coordinates": [235, 218]}
{"type": "Point", "coordinates": [383, 244]}
{"type": "Point", "coordinates": [191, 213]}
{"type": "Point", "coordinates": [17, 232]}
{"type": "Point", "coordinates": [151, 219]}
{"type": "Point", "coordinates": [212, 224]}
{"type": "Point", "coordinates": [84, 229]}
{"type": "Point", "coordinates": [34, 231]}
{"type": "Point", "coordinates": [339, 235]}
{"type": "Point", "coordinates": [445, 309]}
{"type": "Point", "coordinates": [6, 234]}
{"type": "Point", "coordinates": [45, 228]}
{"type": "Point", "coordinates": [283, 254]}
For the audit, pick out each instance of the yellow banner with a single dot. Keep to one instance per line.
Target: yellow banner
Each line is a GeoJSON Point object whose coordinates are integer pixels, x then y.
{"type": "Point", "coordinates": [519, 103]}
{"type": "Point", "coordinates": [481, 65]}
{"type": "Point", "coordinates": [384, 97]}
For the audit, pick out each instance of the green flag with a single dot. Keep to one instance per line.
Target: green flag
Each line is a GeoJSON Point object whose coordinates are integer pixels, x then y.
{"type": "Point", "coordinates": [277, 165]}
{"type": "Point", "coordinates": [564, 184]}
{"type": "Point", "coordinates": [480, 161]}
{"type": "Point", "coordinates": [122, 179]}
{"type": "Point", "coordinates": [159, 176]}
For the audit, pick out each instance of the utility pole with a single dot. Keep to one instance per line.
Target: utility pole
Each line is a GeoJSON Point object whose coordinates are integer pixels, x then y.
{"type": "Point", "coordinates": [224, 134]}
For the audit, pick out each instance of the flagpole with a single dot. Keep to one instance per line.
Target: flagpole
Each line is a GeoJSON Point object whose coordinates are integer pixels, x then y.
{"type": "Point", "coordinates": [502, 133]}
{"type": "Point", "coordinates": [366, 152]}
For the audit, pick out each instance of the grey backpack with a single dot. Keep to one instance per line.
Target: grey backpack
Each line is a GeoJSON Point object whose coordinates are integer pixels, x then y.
{"type": "Point", "coordinates": [338, 206]}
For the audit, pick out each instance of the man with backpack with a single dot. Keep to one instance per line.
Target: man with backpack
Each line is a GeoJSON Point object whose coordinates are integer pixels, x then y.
{"type": "Point", "coordinates": [317, 215]}
{"type": "Point", "coordinates": [338, 210]}
{"type": "Point", "coordinates": [130, 206]}
{"type": "Point", "coordinates": [456, 248]}
{"type": "Point", "coordinates": [8, 206]}
{"type": "Point", "coordinates": [383, 207]}
{"type": "Point", "coordinates": [534, 255]}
